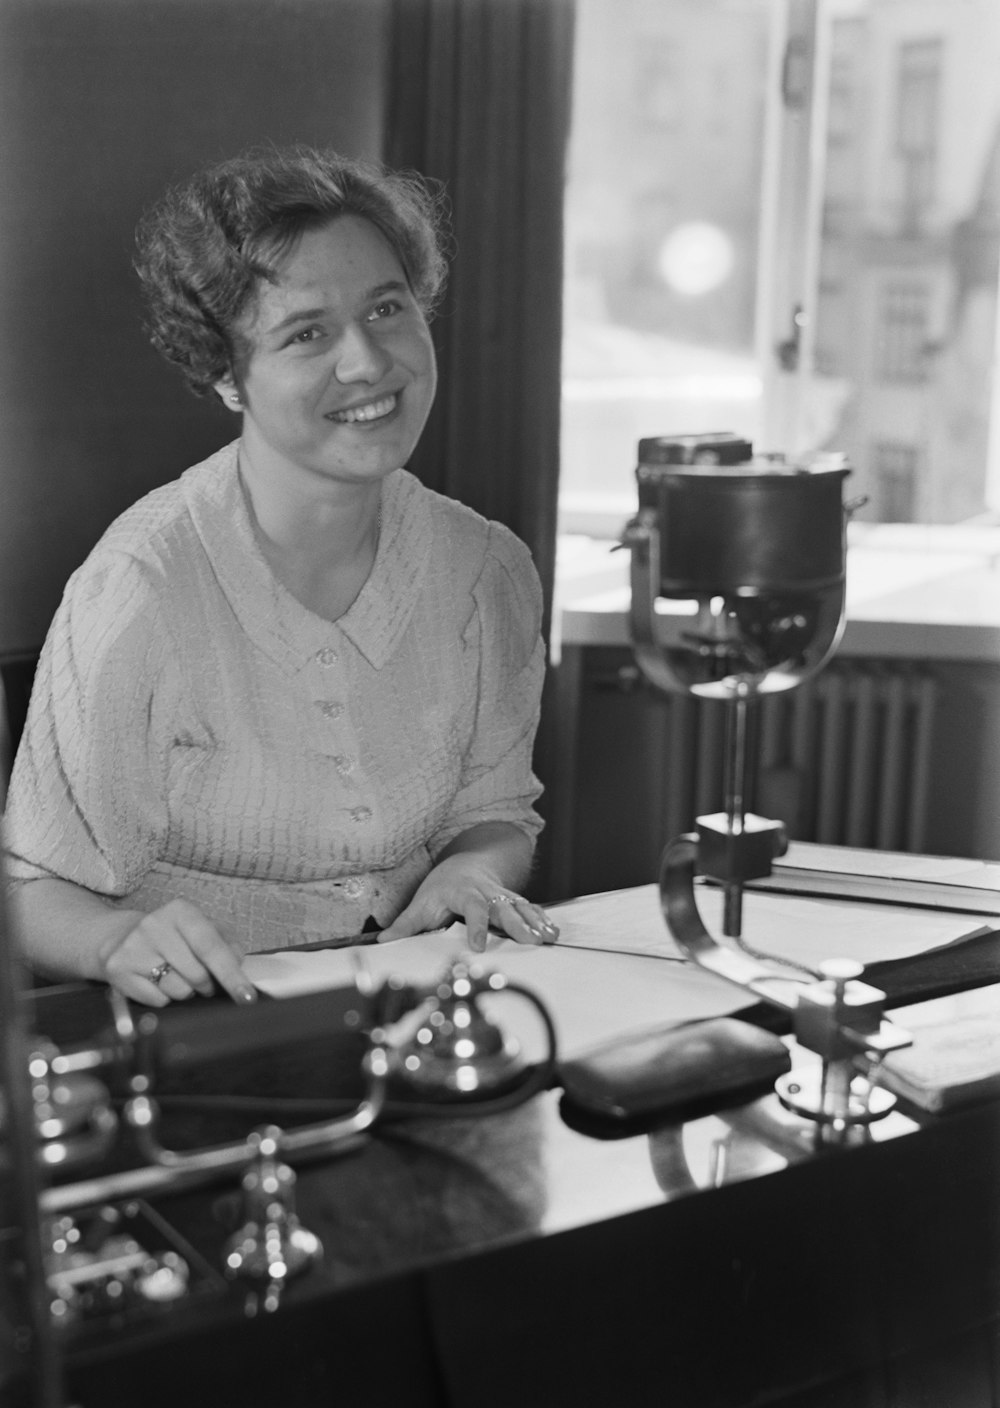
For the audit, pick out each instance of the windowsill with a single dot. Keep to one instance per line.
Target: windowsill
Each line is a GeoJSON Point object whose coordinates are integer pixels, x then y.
{"type": "Point", "coordinates": [913, 591]}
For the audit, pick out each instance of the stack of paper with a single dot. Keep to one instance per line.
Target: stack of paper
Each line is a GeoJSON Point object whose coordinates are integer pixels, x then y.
{"type": "Point", "coordinates": [938, 882]}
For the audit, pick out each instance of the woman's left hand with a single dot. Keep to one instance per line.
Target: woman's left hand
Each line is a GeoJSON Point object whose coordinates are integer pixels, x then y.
{"type": "Point", "coordinates": [461, 887]}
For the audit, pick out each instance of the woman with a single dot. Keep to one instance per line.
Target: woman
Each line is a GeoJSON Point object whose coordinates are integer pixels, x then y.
{"type": "Point", "coordinates": [293, 694]}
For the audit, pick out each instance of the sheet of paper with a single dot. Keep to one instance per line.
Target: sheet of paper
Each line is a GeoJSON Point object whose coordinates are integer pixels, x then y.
{"type": "Point", "coordinates": [591, 996]}
{"type": "Point", "coordinates": [625, 920]}
{"type": "Point", "coordinates": [417, 960]}
{"type": "Point", "coordinates": [806, 929]}
{"type": "Point", "coordinates": [594, 994]}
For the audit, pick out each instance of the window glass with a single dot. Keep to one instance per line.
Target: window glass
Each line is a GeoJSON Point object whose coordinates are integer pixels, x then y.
{"type": "Point", "coordinates": [888, 349]}
{"type": "Point", "coordinates": [906, 309]}
{"type": "Point", "coordinates": [661, 246]}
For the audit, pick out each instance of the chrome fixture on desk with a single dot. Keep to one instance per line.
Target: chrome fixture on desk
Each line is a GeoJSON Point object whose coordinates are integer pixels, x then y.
{"type": "Point", "coordinates": [738, 581]}
{"type": "Point", "coordinates": [84, 1141]}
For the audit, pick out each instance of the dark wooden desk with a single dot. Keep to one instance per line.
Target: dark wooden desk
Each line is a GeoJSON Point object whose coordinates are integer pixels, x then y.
{"type": "Point", "coordinates": [509, 1262]}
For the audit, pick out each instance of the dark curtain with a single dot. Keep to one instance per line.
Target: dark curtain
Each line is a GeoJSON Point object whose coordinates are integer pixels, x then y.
{"type": "Point", "coordinates": [478, 98]}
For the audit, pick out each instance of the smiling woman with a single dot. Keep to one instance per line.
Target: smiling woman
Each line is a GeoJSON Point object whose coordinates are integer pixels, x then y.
{"type": "Point", "coordinates": [292, 695]}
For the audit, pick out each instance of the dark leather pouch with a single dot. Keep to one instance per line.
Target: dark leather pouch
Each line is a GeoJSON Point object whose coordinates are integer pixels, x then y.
{"type": "Point", "coordinates": [669, 1075]}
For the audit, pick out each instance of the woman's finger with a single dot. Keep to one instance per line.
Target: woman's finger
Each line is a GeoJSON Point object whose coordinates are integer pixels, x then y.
{"type": "Point", "coordinates": [174, 952]}
{"type": "Point", "coordinates": [521, 919]}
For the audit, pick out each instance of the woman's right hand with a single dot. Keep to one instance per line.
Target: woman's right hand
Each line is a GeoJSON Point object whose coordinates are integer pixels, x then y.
{"type": "Point", "coordinates": [171, 954]}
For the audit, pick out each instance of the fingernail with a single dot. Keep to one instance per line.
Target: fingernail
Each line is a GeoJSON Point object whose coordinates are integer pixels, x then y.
{"type": "Point", "coordinates": [246, 994]}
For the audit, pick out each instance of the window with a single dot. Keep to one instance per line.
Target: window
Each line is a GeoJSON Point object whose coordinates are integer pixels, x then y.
{"type": "Point", "coordinates": [846, 93]}
{"type": "Point", "coordinates": [788, 228]}
{"type": "Point", "coordinates": [658, 86]}
{"type": "Point", "coordinates": [661, 244]}
{"type": "Point", "coordinates": [895, 476]}
{"type": "Point", "coordinates": [917, 120]}
{"type": "Point", "coordinates": [902, 333]}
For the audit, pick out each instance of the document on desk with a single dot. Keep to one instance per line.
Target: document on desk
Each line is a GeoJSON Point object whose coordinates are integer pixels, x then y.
{"type": "Point", "coordinates": [591, 996]}
{"type": "Point", "coordinates": [616, 970]}
{"type": "Point", "coordinates": [802, 929]}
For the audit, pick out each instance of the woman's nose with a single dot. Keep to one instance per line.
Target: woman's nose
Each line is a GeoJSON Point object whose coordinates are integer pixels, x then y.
{"type": "Point", "coordinates": [360, 356]}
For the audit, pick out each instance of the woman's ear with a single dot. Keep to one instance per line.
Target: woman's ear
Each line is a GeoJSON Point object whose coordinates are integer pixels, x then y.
{"type": "Point", "coordinates": [229, 395]}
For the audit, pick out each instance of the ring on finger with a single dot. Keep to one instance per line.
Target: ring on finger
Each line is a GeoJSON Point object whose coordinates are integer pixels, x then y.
{"type": "Point", "coordinates": [157, 974]}
{"type": "Point", "coordinates": [499, 898]}
{"type": "Point", "coordinates": [539, 924]}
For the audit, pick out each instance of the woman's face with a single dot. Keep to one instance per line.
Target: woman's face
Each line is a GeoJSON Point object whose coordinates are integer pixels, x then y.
{"type": "Point", "coordinates": [341, 372]}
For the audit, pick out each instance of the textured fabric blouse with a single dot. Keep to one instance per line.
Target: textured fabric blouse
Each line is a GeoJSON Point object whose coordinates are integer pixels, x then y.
{"type": "Point", "coordinates": [195, 731]}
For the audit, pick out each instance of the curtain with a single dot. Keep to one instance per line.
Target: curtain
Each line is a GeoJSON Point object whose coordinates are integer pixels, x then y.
{"type": "Point", "coordinates": [478, 98]}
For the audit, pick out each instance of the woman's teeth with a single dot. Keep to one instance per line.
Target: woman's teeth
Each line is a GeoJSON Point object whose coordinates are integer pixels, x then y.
{"type": "Point", "coordinates": [374, 410]}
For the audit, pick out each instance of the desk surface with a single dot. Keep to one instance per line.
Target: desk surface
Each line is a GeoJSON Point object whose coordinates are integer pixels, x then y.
{"type": "Point", "coordinates": [512, 1260]}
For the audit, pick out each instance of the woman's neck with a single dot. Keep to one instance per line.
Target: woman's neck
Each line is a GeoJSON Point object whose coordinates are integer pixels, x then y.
{"type": "Point", "coordinates": [320, 545]}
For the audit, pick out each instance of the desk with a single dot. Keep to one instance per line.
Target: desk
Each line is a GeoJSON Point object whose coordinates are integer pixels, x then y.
{"type": "Point", "coordinates": [511, 1262]}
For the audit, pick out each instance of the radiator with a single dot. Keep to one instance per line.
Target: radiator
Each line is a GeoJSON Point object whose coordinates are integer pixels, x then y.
{"type": "Point", "coordinates": [843, 760]}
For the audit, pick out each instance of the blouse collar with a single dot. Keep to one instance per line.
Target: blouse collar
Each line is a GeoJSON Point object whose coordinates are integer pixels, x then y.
{"type": "Point", "coordinates": [269, 614]}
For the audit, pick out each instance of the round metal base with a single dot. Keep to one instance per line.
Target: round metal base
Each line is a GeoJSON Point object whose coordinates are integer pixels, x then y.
{"type": "Point", "coordinates": [804, 1093]}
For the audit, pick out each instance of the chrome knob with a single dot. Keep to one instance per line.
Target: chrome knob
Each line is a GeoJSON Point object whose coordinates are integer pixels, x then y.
{"type": "Point", "coordinates": [458, 1051]}
{"type": "Point", "coordinates": [272, 1246]}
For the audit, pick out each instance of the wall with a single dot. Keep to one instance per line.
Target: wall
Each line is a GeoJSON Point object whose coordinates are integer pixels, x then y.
{"type": "Point", "coordinates": [102, 104]}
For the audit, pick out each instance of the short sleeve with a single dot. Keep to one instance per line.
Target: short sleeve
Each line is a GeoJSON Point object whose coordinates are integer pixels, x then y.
{"type": "Point", "coordinates": [87, 800]}
{"type": "Point", "coordinates": [497, 782]}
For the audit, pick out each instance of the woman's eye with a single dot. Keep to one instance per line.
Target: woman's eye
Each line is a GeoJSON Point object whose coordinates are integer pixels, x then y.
{"type": "Point", "coordinates": [306, 335]}
{"type": "Point", "coordinates": [384, 310]}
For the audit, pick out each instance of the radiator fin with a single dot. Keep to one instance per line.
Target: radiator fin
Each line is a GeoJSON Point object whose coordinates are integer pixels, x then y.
{"type": "Point", "coordinates": [856, 740]}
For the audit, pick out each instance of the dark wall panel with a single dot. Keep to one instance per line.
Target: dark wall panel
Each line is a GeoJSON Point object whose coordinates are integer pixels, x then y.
{"type": "Point", "coordinates": [102, 104]}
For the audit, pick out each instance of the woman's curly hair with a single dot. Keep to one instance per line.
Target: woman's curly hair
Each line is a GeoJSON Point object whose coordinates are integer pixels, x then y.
{"type": "Point", "coordinates": [203, 248]}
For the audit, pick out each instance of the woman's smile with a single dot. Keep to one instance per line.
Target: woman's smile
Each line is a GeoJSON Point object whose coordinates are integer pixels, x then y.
{"type": "Point", "coordinates": [368, 412]}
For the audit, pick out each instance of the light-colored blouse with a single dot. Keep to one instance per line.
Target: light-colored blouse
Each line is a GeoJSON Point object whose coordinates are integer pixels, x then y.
{"type": "Point", "coordinates": [195, 731]}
